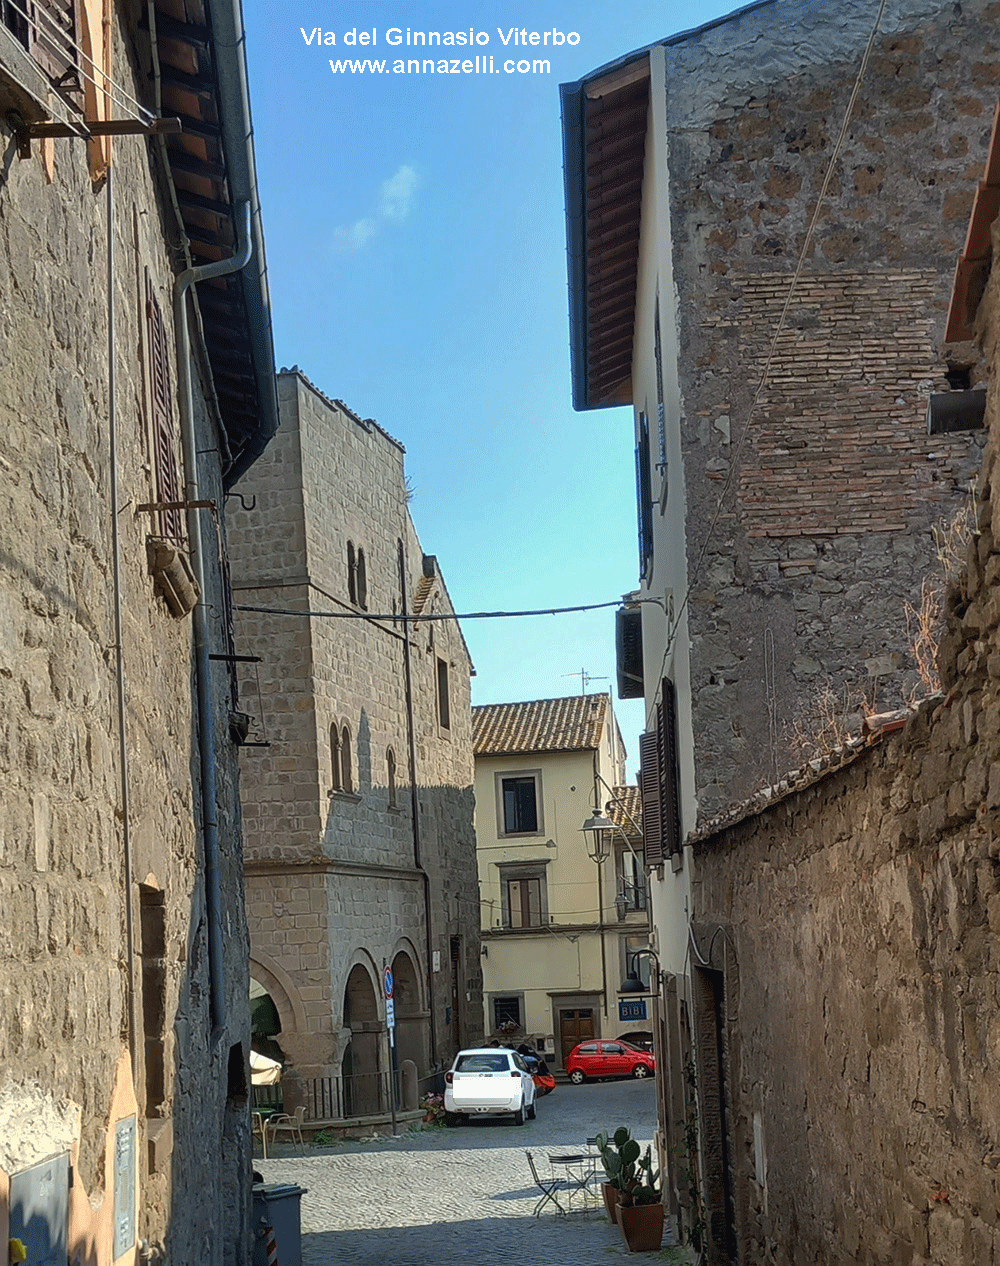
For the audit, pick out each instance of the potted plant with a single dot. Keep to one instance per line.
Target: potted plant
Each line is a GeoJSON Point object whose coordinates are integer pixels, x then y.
{"type": "Point", "coordinates": [640, 1210]}
{"type": "Point", "coordinates": [433, 1106]}
{"type": "Point", "coordinates": [619, 1154]}
{"type": "Point", "coordinates": [632, 1193]}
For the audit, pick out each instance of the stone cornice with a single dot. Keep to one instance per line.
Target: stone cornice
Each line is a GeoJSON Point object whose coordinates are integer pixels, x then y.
{"type": "Point", "coordinates": [327, 865]}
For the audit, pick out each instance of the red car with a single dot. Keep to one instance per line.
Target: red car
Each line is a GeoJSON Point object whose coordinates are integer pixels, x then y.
{"type": "Point", "coordinates": [608, 1059]}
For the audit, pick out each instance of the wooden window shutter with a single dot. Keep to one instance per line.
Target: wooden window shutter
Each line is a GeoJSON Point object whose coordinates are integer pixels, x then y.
{"type": "Point", "coordinates": [649, 786]}
{"type": "Point", "coordinates": [669, 769]}
{"type": "Point", "coordinates": [54, 38]}
{"type": "Point", "coordinates": [164, 454]}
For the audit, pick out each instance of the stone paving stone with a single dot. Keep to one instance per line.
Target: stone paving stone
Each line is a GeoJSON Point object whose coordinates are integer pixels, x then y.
{"type": "Point", "coordinates": [463, 1196]}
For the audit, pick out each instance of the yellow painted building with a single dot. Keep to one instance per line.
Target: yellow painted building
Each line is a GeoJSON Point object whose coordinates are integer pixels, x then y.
{"type": "Point", "coordinates": [558, 926]}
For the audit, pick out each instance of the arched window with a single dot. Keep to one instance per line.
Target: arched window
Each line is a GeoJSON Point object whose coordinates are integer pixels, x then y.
{"type": "Point", "coordinates": [352, 591]}
{"type": "Point", "coordinates": [390, 764]}
{"type": "Point", "coordinates": [361, 580]}
{"type": "Point", "coordinates": [335, 767]}
{"type": "Point", "coordinates": [345, 760]}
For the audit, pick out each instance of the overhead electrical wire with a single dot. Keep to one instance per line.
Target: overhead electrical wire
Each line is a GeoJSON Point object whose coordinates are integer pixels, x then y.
{"type": "Point", "coordinates": [396, 617]}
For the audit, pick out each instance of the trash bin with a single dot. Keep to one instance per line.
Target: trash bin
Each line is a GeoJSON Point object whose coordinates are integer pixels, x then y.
{"type": "Point", "coordinates": [276, 1204]}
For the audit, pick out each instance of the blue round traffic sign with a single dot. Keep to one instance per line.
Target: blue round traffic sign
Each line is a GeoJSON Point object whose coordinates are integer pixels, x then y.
{"type": "Point", "coordinates": [387, 982]}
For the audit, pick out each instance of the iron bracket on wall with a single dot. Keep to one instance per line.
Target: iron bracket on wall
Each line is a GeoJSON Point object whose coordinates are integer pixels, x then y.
{"type": "Point", "coordinates": [85, 129]}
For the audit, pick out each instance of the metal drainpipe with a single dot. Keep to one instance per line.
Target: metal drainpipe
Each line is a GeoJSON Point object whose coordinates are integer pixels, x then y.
{"type": "Point", "coordinates": [415, 801]}
{"type": "Point", "coordinates": [203, 668]}
{"type": "Point", "coordinates": [123, 765]}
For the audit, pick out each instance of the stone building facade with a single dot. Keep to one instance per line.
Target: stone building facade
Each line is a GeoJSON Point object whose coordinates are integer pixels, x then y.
{"type": "Point", "coordinates": [360, 843]}
{"type": "Point", "coordinates": [124, 1033]}
{"type": "Point", "coordinates": [845, 980]}
{"type": "Point", "coordinates": [776, 562]}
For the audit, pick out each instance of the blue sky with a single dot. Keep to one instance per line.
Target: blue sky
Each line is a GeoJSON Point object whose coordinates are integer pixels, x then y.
{"type": "Point", "coordinates": [417, 260]}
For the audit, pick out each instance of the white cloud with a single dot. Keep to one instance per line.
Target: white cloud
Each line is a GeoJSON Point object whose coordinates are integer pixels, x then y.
{"type": "Point", "coordinates": [396, 193]}
{"type": "Point", "coordinates": [354, 238]}
{"type": "Point", "coordinates": [394, 202]}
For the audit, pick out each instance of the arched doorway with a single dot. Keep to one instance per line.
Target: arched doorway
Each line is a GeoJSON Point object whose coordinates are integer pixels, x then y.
{"type": "Point", "coordinates": [411, 1019]}
{"type": "Point", "coordinates": [361, 1067]}
{"type": "Point", "coordinates": [265, 1024]}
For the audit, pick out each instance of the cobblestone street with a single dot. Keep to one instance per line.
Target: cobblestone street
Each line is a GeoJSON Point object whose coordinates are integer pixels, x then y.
{"type": "Point", "coordinates": [463, 1195]}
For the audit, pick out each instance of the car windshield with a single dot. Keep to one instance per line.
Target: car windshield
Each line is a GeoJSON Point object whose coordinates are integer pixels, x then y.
{"type": "Point", "coordinates": [481, 1064]}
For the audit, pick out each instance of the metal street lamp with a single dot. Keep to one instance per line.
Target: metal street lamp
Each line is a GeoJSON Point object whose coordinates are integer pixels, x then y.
{"type": "Point", "coordinates": [598, 831]}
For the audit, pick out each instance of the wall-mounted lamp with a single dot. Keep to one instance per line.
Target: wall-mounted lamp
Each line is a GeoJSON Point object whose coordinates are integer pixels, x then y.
{"type": "Point", "coordinates": [633, 982]}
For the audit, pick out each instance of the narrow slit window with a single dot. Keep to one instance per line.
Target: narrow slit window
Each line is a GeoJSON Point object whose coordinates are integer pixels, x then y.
{"type": "Point", "coordinates": [345, 760]}
{"type": "Point", "coordinates": [444, 702]}
{"type": "Point", "coordinates": [390, 764]}
{"type": "Point", "coordinates": [335, 767]}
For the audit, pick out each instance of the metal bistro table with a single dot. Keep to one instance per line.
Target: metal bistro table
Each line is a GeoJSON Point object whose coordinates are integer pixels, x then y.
{"type": "Point", "coordinates": [580, 1169]}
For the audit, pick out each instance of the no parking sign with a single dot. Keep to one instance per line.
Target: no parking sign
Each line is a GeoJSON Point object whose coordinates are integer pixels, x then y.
{"type": "Point", "coordinates": [390, 1005]}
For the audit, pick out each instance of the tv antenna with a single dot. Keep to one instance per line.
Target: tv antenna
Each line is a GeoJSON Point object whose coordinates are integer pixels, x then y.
{"type": "Point", "coordinates": [585, 679]}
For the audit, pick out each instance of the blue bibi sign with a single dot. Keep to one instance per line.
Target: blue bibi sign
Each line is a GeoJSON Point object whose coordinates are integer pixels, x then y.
{"type": "Point", "coordinates": [631, 1009]}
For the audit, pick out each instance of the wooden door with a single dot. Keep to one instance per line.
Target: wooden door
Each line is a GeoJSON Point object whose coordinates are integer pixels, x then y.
{"type": "Point", "coordinates": [574, 1026]}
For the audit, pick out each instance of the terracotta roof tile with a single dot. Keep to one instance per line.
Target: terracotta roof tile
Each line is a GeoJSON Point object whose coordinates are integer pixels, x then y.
{"type": "Point", "coordinates": [570, 724]}
{"type": "Point", "coordinates": [624, 809]}
{"type": "Point", "coordinates": [813, 771]}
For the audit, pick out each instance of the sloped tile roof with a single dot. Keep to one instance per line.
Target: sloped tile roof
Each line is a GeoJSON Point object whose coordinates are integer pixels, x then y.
{"type": "Point", "coordinates": [624, 809]}
{"type": "Point", "coordinates": [571, 724]}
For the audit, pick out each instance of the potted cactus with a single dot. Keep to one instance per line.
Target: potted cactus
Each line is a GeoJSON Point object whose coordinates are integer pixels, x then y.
{"type": "Point", "coordinates": [619, 1152]}
{"type": "Point", "coordinates": [632, 1193]}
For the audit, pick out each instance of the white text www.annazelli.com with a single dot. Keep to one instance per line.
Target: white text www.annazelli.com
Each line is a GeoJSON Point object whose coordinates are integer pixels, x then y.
{"type": "Point", "coordinates": [482, 65]}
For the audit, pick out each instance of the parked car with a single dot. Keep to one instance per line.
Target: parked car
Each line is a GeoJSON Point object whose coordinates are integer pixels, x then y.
{"type": "Point", "coordinates": [644, 1041]}
{"type": "Point", "coordinates": [608, 1059]}
{"type": "Point", "coordinates": [488, 1082]}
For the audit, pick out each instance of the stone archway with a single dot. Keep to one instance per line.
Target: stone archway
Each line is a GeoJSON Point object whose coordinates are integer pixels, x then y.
{"type": "Point", "coordinates": [265, 1023]}
{"type": "Point", "coordinates": [361, 1067]}
{"type": "Point", "coordinates": [412, 1021]}
{"type": "Point", "coordinates": [309, 1051]}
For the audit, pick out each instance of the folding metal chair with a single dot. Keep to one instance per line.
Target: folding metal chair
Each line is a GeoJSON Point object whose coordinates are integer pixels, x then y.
{"type": "Point", "coordinates": [547, 1186]}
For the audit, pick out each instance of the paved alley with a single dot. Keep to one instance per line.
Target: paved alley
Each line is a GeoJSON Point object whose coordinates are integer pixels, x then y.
{"type": "Point", "coordinates": [462, 1195]}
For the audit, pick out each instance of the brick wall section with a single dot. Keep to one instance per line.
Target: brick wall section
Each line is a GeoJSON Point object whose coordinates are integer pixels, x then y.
{"type": "Point", "coordinates": [861, 916]}
{"type": "Point", "coordinates": [333, 878]}
{"type": "Point", "coordinates": [837, 474]}
{"type": "Point", "coordinates": [840, 443]}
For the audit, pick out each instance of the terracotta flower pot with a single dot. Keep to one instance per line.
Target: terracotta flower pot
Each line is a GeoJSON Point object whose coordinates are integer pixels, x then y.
{"type": "Point", "coordinates": [641, 1226]}
{"type": "Point", "coordinates": [610, 1193]}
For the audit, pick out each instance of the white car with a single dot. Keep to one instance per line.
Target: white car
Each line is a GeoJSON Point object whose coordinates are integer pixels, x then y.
{"type": "Point", "coordinates": [490, 1081]}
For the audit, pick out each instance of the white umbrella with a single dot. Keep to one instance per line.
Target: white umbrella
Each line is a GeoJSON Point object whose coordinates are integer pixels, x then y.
{"type": "Point", "coordinates": [264, 1071]}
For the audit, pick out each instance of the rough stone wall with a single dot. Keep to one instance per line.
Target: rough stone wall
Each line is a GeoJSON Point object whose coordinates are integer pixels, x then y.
{"type": "Point", "coordinates": [64, 1022]}
{"type": "Point", "coordinates": [337, 880]}
{"type": "Point", "coordinates": [825, 534]}
{"type": "Point", "coordinates": [854, 924]}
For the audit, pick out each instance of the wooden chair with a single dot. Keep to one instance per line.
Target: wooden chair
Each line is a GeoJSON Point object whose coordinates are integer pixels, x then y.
{"type": "Point", "coordinates": [292, 1123]}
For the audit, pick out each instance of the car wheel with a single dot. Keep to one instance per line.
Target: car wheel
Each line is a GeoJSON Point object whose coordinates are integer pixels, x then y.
{"type": "Point", "coordinates": [640, 1071]}
{"type": "Point", "coordinates": [453, 1118]}
{"type": "Point", "coordinates": [531, 1112]}
{"type": "Point", "coordinates": [519, 1117]}
{"type": "Point", "coordinates": [577, 1077]}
